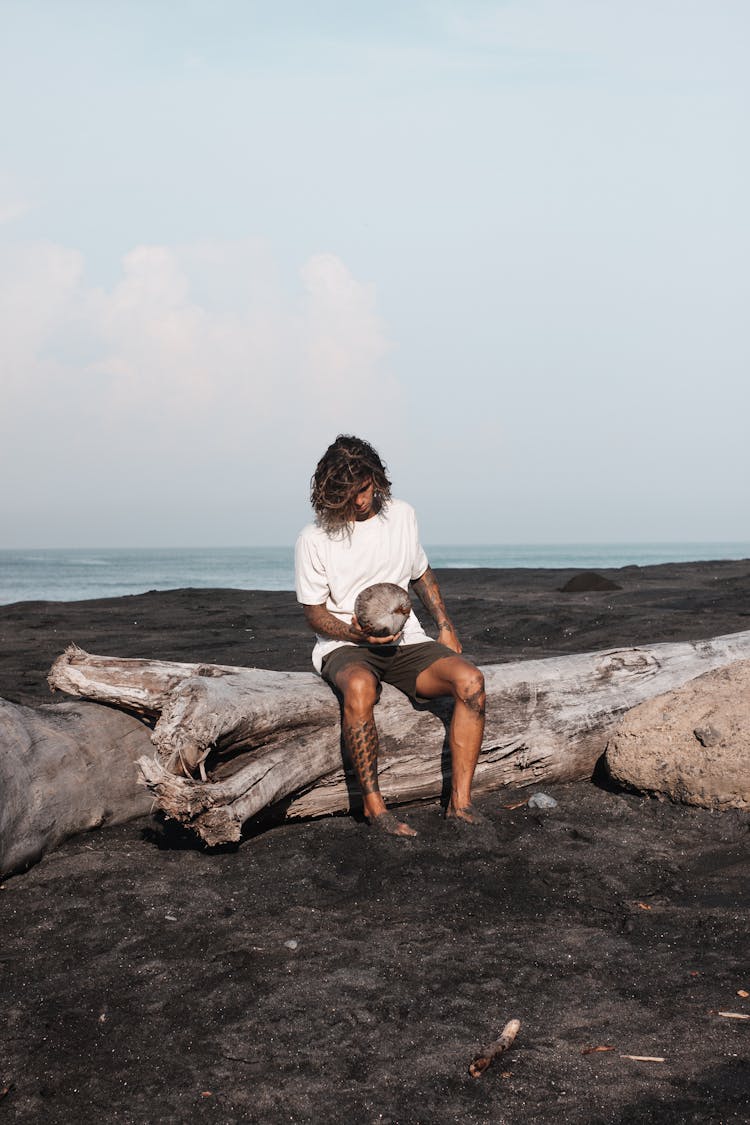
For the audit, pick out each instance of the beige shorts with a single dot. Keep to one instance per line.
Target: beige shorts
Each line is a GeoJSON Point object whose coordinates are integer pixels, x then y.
{"type": "Point", "coordinates": [398, 665]}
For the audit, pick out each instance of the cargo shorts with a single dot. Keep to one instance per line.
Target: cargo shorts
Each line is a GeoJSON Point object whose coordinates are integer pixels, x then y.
{"type": "Point", "coordinates": [398, 665]}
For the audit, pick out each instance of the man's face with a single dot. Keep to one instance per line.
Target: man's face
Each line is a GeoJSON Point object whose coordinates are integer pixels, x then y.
{"type": "Point", "coordinates": [363, 500]}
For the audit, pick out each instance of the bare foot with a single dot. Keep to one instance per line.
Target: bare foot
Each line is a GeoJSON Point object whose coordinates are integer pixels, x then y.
{"type": "Point", "coordinates": [467, 814]}
{"type": "Point", "coordinates": [389, 824]}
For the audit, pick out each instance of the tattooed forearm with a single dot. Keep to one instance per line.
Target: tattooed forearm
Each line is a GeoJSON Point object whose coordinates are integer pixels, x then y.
{"type": "Point", "coordinates": [429, 594]}
{"type": "Point", "coordinates": [361, 742]}
{"type": "Point", "coordinates": [322, 621]}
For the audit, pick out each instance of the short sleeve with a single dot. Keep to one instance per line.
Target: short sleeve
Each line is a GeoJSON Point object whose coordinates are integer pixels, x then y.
{"type": "Point", "coordinates": [311, 583]}
{"type": "Point", "coordinates": [419, 558]}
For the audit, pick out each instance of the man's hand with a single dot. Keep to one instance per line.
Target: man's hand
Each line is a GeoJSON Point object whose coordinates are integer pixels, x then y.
{"type": "Point", "coordinates": [431, 598]}
{"type": "Point", "coordinates": [361, 638]}
{"type": "Point", "coordinates": [326, 624]}
{"type": "Point", "coordinates": [448, 636]}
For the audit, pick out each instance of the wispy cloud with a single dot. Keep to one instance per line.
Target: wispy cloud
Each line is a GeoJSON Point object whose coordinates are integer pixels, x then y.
{"type": "Point", "coordinates": [199, 362]}
{"type": "Point", "coordinates": [344, 344]}
{"type": "Point", "coordinates": [13, 203]}
{"type": "Point", "coordinates": [12, 209]}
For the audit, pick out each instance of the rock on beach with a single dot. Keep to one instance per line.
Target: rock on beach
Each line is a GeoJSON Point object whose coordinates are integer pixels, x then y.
{"type": "Point", "coordinates": [691, 744]}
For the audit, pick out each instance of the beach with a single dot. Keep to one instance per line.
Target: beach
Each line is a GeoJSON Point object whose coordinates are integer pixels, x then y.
{"type": "Point", "coordinates": [320, 973]}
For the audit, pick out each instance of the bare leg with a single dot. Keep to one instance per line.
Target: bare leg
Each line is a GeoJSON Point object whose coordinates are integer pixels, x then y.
{"type": "Point", "coordinates": [452, 675]}
{"type": "Point", "coordinates": [358, 687]}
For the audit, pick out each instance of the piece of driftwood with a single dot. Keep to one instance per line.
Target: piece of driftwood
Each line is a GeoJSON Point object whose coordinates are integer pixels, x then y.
{"type": "Point", "coordinates": [64, 769]}
{"type": "Point", "coordinates": [479, 1064]}
{"type": "Point", "coordinates": [272, 736]}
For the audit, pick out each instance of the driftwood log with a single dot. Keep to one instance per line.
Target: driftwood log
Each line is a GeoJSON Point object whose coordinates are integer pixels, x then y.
{"type": "Point", "coordinates": [64, 769]}
{"type": "Point", "coordinates": [269, 736]}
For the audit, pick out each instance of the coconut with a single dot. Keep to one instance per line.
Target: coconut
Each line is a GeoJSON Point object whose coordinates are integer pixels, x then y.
{"type": "Point", "coordinates": [381, 610]}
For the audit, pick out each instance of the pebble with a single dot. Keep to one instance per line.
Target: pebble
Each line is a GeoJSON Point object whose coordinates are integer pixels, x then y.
{"type": "Point", "coordinates": [541, 801]}
{"type": "Point", "coordinates": [291, 944]}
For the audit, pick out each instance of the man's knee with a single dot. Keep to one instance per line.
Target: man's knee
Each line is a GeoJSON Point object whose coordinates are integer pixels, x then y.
{"type": "Point", "coordinates": [359, 689]}
{"type": "Point", "coordinates": [469, 685]}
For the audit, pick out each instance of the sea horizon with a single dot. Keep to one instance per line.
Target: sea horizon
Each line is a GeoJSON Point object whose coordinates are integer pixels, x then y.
{"type": "Point", "coordinates": [82, 573]}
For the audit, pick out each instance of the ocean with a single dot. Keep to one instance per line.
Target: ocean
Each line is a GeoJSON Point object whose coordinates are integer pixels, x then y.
{"type": "Point", "coordinates": [74, 575]}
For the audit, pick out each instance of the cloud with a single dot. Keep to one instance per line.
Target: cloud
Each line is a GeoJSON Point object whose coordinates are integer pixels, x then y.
{"type": "Point", "coordinates": [12, 209]}
{"type": "Point", "coordinates": [344, 343]}
{"type": "Point", "coordinates": [13, 205]}
{"type": "Point", "coordinates": [39, 288]}
{"type": "Point", "coordinates": [200, 365]}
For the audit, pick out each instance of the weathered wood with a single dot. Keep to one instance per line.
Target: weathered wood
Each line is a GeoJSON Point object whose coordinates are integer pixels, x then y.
{"type": "Point", "coordinates": [64, 769]}
{"type": "Point", "coordinates": [275, 735]}
{"type": "Point", "coordinates": [201, 707]}
{"type": "Point", "coordinates": [479, 1064]}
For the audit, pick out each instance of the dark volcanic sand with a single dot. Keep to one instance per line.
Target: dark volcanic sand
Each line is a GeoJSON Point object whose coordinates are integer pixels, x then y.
{"type": "Point", "coordinates": [145, 980]}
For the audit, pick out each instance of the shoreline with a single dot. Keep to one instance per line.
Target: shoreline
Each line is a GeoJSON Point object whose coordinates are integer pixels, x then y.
{"type": "Point", "coordinates": [501, 614]}
{"type": "Point", "coordinates": [53, 574]}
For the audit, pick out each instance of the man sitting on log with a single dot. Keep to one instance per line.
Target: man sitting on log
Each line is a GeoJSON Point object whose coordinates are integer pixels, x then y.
{"type": "Point", "coordinates": [361, 537]}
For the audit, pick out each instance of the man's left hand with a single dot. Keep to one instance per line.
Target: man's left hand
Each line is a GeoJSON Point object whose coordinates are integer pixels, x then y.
{"type": "Point", "coordinates": [448, 636]}
{"type": "Point", "coordinates": [360, 637]}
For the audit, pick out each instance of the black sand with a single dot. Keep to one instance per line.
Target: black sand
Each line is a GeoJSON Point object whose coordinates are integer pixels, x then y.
{"type": "Point", "coordinates": [145, 980]}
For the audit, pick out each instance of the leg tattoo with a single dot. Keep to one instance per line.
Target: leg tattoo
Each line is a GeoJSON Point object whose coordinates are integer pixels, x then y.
{"type": "Point", "coordinates": [476, 703]}
{"type": "Point", "coordinates": [361, 741]}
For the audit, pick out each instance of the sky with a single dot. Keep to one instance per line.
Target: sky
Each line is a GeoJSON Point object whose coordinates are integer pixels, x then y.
{"type": "Point", "coordinates": [506, 241]}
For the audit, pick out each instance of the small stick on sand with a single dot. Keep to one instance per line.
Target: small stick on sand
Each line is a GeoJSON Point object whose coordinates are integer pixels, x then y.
{"type": "Point", "coordinates": [644, 1058]}
{"type": "Point", "coordinates": [732, 1015]}
{"type": "Point", "coordinates": [478, 1065]}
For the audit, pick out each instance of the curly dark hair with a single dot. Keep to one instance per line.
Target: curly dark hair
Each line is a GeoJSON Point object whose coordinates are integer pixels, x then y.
{"type": "Point", "coordinates": [345, 467]}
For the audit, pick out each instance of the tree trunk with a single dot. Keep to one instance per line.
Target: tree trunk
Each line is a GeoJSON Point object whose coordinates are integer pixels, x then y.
{"type": "Point", "coordinates": [271, 736]}
{"type": "Point", "coordinates": [64, 769]}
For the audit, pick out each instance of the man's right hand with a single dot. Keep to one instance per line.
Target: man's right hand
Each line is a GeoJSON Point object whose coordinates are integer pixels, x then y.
{"type": "Point", "coordinates": [325, 624]}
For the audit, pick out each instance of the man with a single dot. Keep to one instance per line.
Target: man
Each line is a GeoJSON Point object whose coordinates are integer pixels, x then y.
{"type": "Point", "coordinates": [362, 536]}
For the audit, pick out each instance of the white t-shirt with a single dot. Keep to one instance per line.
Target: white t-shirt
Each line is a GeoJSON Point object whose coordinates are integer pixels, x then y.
{"type": "Point", "coordinates": [335, 568]}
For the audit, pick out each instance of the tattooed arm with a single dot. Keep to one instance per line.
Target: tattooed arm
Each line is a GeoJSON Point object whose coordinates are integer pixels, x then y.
{"type": "Point", "coordinates": [429, 594]}
{"type": "Point", "coordinates": [322, 621]}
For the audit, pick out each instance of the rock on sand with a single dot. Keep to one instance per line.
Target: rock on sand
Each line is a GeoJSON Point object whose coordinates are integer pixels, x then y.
{"type": "Point", "coordinates": [692, 744]}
